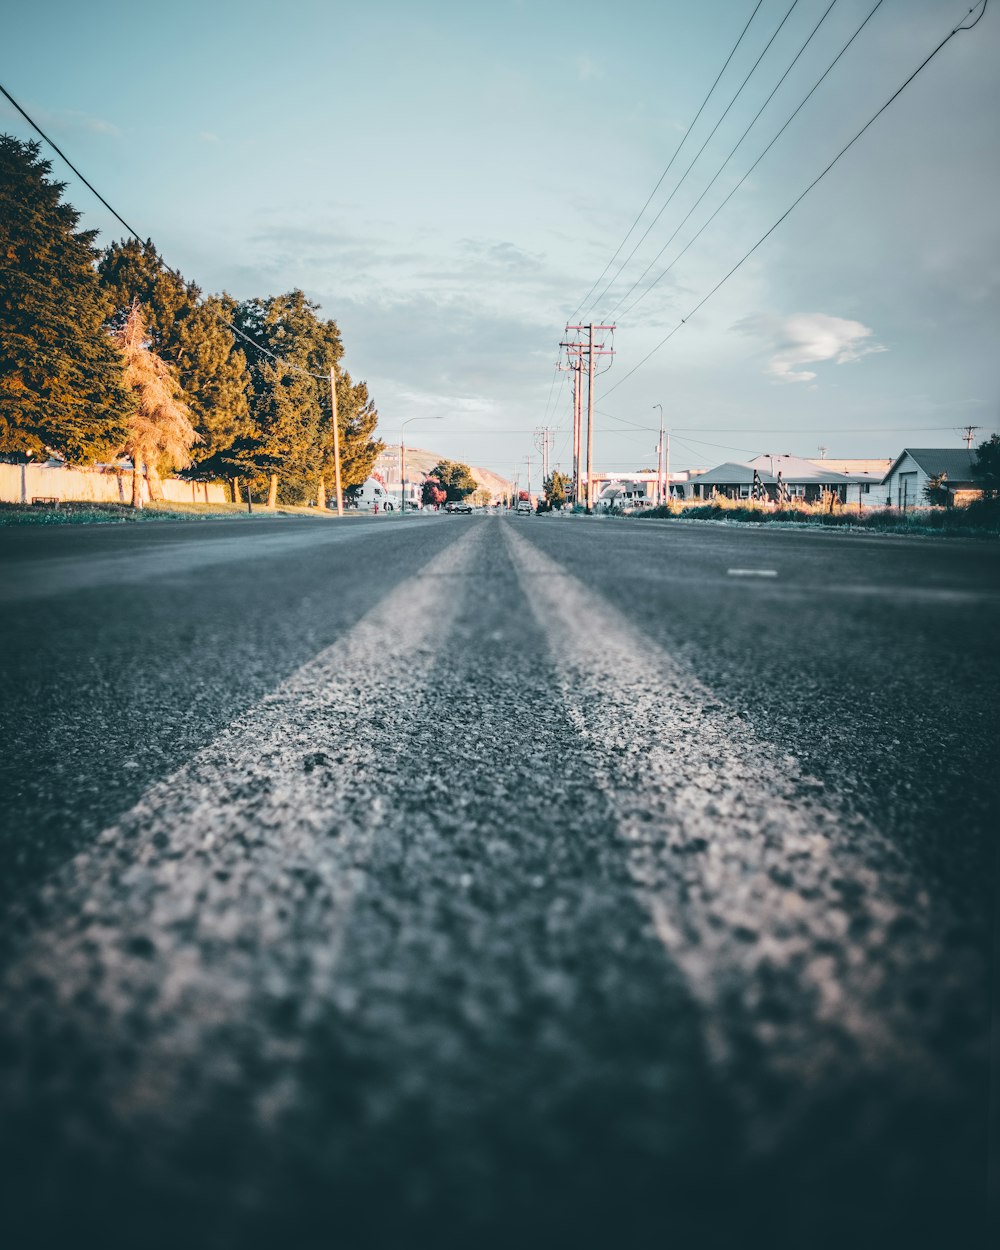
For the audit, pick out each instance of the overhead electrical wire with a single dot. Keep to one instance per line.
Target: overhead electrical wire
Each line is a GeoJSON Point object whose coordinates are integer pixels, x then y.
{"type": "Point", "coordinates": [795, 112]}
{"type": "Point", "coordinates": [691, 125]}
{"type": "Point", "coordinates": [960, 28]}
{"type": "Point", "coordinates": [697, 155]}
{"type": "Point", "coordinates": [732, 152]}
{"type": "Point", "coordinates": [323, 377]}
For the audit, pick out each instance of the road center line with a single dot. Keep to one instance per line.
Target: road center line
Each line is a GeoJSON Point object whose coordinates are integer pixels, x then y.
{"type": "Point", "coordinates": [240, 867]}
{"type": "Point", "coordinates": [780, 912]}
{"type": "Point", "coordinates": [752, 572]}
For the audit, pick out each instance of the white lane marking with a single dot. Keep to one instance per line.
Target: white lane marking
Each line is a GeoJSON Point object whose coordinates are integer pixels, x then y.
{"type": "Point", "coordinates": [752, 572]}
{"type": "Point", "coordinates": [230, 883]}
{"type": "Point", "coordinates": [761, 893]}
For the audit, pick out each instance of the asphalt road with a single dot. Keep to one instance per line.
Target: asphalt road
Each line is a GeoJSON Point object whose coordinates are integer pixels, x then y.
{"type": "Point", "coordinates": [439, 882]}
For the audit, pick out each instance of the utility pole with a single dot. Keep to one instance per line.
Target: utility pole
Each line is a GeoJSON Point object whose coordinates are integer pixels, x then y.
{"type": "Point", "coordinates": [336, 443]}
{"type": "Point", "coordinates": [967, 434]}
{"type": "Point", "coordinates": [590, 417]}
{"type": "Point", "coordinates": [574, 355]}
{"type": "Point", "coordinates": [527, 461]}
{"type": "Point", "coordinates": [584, 493]}
{"type": "Point", "coordinates": [544, 438]}
{"type": "Point", "coordinates": [659, 462]}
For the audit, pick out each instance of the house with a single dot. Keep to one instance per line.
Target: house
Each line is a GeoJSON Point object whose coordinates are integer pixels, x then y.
{"type": "Point", "coordinates": [809, 480]}
{"type": "Point", "coordinates": [914, 467]}
{"type": "Point", "coordinates": [626, 493]}
{"type": "Point", "coordinates": [638, 489]}
{"type": "Point", "coordinates": [734, 479]}
{"type": "Point", "coordinates": [864, 476]}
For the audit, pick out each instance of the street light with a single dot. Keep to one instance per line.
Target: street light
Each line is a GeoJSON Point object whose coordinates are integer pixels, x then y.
{"type": "Point", "coordinates": [402, 457]}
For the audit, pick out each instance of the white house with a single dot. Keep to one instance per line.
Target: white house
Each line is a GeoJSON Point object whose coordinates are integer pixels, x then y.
{"type": "Point", "coordinates": [914, 467]}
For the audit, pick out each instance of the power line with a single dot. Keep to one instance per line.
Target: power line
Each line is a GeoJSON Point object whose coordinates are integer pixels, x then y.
{"type": "Point", "coordinates": [732, 152]}
{"type": "Point", "coordinates": [697, 155]}
{"type": "Point", "coordinates": [795, 203]}
{"type": "Point", "coordinates": [802, 103]}
{"type": "Point", "coordinates": [138, 238]}
{"type": "Point", "coordinates": [677, 150]}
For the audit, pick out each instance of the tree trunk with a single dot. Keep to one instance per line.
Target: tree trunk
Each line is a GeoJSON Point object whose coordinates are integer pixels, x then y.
{"type": "Point", "coordinates": [272, 491]}
{"type": "Point", "coordinates": [155, 484]}
{"type": "Point", "coordinates": [321, 494]}
{"type": "Point", "coordinates": [236, 490]}
{"type": "Point", "coordinates": [136, 483]}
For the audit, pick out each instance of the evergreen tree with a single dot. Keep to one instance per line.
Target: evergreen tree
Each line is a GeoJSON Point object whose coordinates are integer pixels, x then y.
{"type": "Point", "coordinates": [190, 333]}
{"type": "Point", "coordinates": [356, 421]}
{"type": "Point", "coordinates": [61, 386]}
{"type": "Point", "coordinates": [284, 401]}
{"type": "Point", "coordinates": [292, 411]}
{"type": "Point", "coordinates": [986, 466]}
{"type": "Point", "coordinates": [160, 434]}
{"type": "Point", "coordinates": [556, 488]}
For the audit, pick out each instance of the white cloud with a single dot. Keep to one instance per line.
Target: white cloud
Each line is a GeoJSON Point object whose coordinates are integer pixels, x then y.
{"type": "Point", "coordinates": [809, 338]}
{"type": "Point", "coordinates": [208, 136]}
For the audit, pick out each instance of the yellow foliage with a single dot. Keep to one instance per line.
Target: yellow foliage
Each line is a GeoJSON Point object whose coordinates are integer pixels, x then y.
{"type": "Point", "coordinates": [160, 432]}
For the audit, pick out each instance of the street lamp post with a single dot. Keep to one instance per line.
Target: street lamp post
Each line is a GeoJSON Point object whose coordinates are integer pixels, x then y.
{"type": "Point", "coordinates": [402, 457]}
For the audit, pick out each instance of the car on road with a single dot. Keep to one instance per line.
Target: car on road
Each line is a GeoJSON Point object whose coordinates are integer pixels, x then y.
{"type": "Point", "coordinates": [523, 507]}
{"type": "Point", "coordinates": [461, 506]}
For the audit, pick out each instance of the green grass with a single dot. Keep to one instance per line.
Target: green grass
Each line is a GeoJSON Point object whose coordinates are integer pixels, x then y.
{"type": "Point", "coordinates": [78, 513]}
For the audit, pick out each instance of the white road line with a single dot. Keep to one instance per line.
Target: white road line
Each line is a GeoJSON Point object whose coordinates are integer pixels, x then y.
{"type": "Point", "coordinates": [237, 870]}
{"type": "Point", "coordinates": [760, 891]}
{"type": "Point", "coordinates": [752, 572]}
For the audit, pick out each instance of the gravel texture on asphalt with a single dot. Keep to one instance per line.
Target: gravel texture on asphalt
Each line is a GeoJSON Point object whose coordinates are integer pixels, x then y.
{"type": "Point", "coordinates": [491, 924]}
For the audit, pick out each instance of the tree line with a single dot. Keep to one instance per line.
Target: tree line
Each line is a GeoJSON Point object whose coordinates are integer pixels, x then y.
{"type": "Point", "coordinates": [108, 352]}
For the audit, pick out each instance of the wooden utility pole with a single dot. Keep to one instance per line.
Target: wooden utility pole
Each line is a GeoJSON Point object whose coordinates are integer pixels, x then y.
{"type": "Point", "coordinates": [336, 442]}
{"type": "Point", "coordinates": [968, 433]}
{"type": "Point", "coordinates": [584, 492]}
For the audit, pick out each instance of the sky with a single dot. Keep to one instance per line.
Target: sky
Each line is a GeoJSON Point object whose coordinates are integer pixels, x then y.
{"type": "Point", "coordinates": [448, 181]}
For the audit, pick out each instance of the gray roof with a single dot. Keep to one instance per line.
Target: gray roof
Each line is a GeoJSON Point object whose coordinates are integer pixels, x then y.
{"type": "Point", "coordinates": [796, 470]}
{"type": "Point", "coordinates": [955, 461]}
{"type": "Point", "coordinates": [732, 473]}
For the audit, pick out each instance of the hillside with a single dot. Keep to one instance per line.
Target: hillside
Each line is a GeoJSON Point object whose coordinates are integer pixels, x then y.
{"type": "Point", "coordinates": [418, 458]}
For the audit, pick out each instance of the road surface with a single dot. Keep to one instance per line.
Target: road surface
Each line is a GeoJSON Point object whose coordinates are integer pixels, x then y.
{"type": "Point", "coordinates": [460, 881]}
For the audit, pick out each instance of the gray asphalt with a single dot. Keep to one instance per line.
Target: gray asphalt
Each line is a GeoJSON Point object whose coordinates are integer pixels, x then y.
{"type": "Point", "coordinates": [450, 881]}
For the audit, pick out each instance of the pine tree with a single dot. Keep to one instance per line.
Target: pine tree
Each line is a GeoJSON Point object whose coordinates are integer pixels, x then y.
{"type": "Point", "coordinates": [160, 434]}
{"type": "Point", "coordinates": [284, 403]}
{"type": "Point", "coordinates": [191, 334]}
{"type": "Point", "coordinates": [61, 386]}
{"type": "Point", "coordinates": [556, 488]}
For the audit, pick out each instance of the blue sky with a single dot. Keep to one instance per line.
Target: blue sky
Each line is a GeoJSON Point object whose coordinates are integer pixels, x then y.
{"type": "Point", "coordinates": [448, 180]}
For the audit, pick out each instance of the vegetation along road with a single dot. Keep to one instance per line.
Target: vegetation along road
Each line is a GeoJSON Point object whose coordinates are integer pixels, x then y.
{"type": "Point", "coordinates": [451, 881]}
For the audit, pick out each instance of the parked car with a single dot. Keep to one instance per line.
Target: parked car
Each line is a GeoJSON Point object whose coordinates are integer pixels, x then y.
{"type": "Point", "coordinates": [523, 507]}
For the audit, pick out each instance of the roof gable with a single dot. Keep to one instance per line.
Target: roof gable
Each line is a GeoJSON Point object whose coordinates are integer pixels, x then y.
{"type": "Point", "coordinates": [956, 462]}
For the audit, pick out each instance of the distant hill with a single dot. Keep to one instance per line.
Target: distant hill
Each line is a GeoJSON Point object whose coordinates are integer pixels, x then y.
{"type": "Point", "coordinates": [419, 459]}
